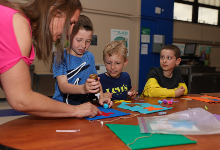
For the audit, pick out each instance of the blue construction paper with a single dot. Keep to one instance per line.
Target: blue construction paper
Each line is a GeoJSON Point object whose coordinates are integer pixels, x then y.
{"type": "Point", "coordinates": [215, 100]}
{"type": "Point", "coordinates": [10, 112]}
{"type": "Point", "coordinates": [140, 108]}
{"type": "Point", "coordinates": [116, 113]}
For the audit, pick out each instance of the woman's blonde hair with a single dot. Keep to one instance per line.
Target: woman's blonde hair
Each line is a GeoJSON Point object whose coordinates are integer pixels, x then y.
{"type": "Point", "coordinates": [40, 14]}
{"type": "Point", "coordinates": [115, 47]}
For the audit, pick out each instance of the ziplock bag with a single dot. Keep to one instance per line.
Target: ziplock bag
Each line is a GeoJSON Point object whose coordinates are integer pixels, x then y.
{"type": "Point", "coordinates": [195, 121]}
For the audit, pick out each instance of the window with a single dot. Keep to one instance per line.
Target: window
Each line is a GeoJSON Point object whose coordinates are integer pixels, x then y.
{"type": "Point", "coordinates": [179, 9]}
{"type": "Point", "coordinates": [189, 0]}
{"type": "Point", "coordinates": [210, 2]}
{"type": "Point", "coordinates": [208, 16]}
{"type": "Point", "coordinates": [198, 11]}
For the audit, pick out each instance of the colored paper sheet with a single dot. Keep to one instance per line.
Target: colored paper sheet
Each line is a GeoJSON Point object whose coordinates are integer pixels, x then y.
{"type": "Point", "coordinates": [208, 99]}
{"type": "Point", "coordinates": [217, 116]}
{"type": "Point", "coordinates": [120, 101]}
{"type": "Point", "coordinates": [108, 113]}
{"type": "Point", "coordinates": [145, 108]}
{"type": "Point", "coordinates": [10, 112]}
{"type": "Point", "coordinates": [128, 133]}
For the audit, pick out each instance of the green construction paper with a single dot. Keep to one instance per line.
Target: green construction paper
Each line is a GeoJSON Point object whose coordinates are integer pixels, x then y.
{"type": "Point", "coordinates": [128, 133]}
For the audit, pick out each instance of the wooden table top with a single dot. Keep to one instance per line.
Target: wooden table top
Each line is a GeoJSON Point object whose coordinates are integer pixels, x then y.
{"type": "Point", "coordinates": [37, 133]}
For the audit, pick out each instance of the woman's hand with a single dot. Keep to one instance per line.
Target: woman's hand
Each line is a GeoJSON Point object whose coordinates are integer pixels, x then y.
{"type": "Point", "coordinates": [86, 110]}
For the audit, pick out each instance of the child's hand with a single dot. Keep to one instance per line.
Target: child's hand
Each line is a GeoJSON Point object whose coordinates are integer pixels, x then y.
{"type": "Point", "coordinates": [132, 93]}
{"type": "Point", "coordinates": [107, 95]}
{"type": "Point", "coordinates": [180, 91]}
{"type": "Point", "coordinates": [105, 100]}
{"type": "Point", "coordinates": [92, 86]}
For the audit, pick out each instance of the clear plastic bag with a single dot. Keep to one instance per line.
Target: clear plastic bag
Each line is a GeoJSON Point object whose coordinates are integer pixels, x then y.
{"type": "Point", "coordinates": [195, 121]}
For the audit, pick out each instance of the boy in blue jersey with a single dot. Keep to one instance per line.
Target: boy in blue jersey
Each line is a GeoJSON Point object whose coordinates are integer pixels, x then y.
{"type": "Point", "coordinates": [73, 85]}
{"type": "Point", "coordinates": [115, 81]}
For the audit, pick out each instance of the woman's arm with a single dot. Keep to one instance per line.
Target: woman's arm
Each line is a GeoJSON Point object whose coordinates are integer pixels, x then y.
{"type": "Point", "coordinates": [16, 83]}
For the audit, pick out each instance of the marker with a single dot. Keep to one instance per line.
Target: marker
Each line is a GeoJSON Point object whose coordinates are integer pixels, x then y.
{"type": "Point", "coordinates": [206, 107]}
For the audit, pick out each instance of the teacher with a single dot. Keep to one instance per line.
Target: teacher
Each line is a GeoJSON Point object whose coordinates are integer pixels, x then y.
{"type": "Point", "coordinates": [41, 22]}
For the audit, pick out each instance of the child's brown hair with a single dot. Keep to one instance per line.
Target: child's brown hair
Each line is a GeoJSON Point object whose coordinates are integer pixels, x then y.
{"type": "Point", "coordinates": [83, 23]}
{"type": "Point", "coordinates": [115, 47]}
{"type": "Point", "coordinates": [173, 48]}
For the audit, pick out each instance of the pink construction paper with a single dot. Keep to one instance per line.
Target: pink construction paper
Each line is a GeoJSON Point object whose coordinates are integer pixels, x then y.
{"type": "Point", "coordinates": [217, 116]}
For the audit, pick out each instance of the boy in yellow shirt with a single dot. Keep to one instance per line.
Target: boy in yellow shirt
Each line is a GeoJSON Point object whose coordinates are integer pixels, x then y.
{"type": "Point", "coordinates": [166, 80]}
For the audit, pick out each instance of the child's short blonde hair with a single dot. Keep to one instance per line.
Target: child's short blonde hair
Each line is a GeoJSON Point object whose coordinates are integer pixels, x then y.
{"type": "Point", "coordinates": [115, 47]}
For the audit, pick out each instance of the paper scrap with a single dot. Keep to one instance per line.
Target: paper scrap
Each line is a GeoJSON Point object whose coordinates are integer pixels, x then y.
{"type": "Point", "coordinates": [67, 130]}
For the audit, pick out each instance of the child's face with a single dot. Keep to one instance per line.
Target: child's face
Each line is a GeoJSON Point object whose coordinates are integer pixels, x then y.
{"type": "Point", "coordinates": [168, 60]}
{"type": "Point", "coordinates": [114, 65]}
{"type": "Point", "coordinates": [81, 42]}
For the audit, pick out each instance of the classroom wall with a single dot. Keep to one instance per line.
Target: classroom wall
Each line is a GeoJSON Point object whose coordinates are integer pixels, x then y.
{"type": "Point", "coordinates": [185, 32]}
{"type": "Point", "coordinates": [105, 15]}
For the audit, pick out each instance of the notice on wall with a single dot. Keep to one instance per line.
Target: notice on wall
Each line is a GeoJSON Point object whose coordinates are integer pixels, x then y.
{"type": "Point", "coordinates": [145, 38]}
{"type": "Point", "coordinates": [181, 47]}
{"type": "Point", "coordinates": [120, 35]}
{"type": "Point", "coordinates": [145, 35]}
{"type": "Point", "coordinates": [144, 49]}
{"type": "Point", "coordinates": [158, 39]}
{"type": "Point", "coordinates": [204, 54]}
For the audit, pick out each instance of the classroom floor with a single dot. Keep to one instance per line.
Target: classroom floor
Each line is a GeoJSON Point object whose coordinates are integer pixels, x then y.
{"type": "Point", "coordinates": [7, 113]}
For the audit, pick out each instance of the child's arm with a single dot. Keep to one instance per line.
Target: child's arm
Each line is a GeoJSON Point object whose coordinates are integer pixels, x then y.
{"type": "Point", "coordinates": [90, 86]}
{"type": "Point", "coordinates": [153, 89]}
{"type": "Point", "coordinates": [132, 93]}
{"type": "Point", "coordinates": [105, 98]}
{"type": "Point", "coordinates": [183, 85]}
{"type": "Point", "coordinates": [181, 90]}
{"type": "Point", "coordinates": [108, 94]}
